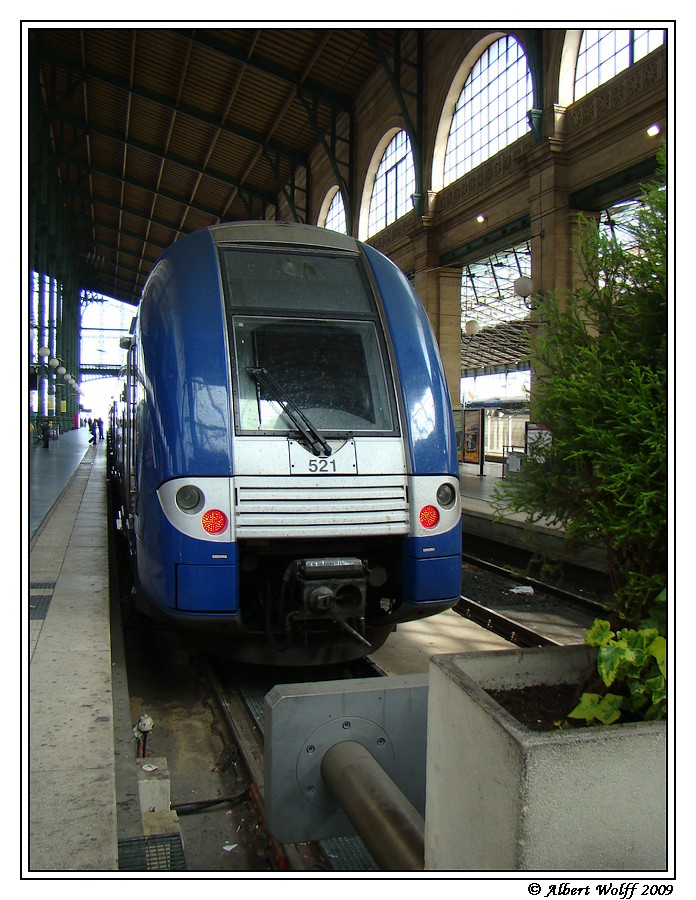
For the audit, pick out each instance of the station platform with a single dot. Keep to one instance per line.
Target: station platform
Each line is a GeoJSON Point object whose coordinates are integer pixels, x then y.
{"type": "Point", "coordinates": [72, 819]}
{"type": "Point", "coordinates": [78, 721]}
{"type": "Point", "coordinates": [481, 517]}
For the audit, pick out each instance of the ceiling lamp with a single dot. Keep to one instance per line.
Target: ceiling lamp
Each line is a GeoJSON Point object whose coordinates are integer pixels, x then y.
{"type": "Point", "coordinates": [524, 286]}
{"type": "Point", "coordinates": [472, 327]}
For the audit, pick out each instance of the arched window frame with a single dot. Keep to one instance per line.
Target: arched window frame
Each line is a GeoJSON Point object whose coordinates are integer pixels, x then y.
{"type": "Point", "coordinates": [603, 53]}
{"type": "Point", "coordinates": [332, 214]}
{"type": "Point", "coordinates": [482, 142]}
{"type": "Point", "coordinates": [392, 173]}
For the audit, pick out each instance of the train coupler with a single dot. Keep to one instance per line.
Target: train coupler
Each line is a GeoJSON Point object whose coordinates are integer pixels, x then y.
{"type": "Point", "coordinates": [333, 588]}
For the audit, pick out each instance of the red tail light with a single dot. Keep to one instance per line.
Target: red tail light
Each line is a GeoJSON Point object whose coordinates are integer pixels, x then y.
{"type": "Point", "coordinates": [429, 517]}
{"type": "Point", "coordinates": [214, 521]}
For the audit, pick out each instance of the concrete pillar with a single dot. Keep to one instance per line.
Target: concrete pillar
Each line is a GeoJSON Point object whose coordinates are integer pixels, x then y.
{"type": "Point", "coordinates": [552, 234]}
{"type": "Point", "coordinates": [440, 293]}
{"type": "Point", "coordinates": [449, 332]}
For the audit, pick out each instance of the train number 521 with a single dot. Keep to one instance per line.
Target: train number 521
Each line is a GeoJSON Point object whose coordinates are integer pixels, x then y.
{"type": "Point", "coordinates": [322, 465]}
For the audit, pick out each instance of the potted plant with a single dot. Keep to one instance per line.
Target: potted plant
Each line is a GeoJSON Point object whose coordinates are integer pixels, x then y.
{"type": "Point", "coordinates": [502, 795]}
{"type": "Point", "coordinates": [590, 791]}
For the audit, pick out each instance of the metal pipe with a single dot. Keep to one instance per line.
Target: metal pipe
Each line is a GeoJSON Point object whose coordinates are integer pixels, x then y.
{"type": "Point", "coordinates": [391, 828]}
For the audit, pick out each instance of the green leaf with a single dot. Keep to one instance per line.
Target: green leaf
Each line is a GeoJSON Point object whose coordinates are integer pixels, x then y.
{"type": "Point", "coordinates": [605, 709]}
{"type": "Point", "coordinates": [613, 660]}
{"type": "Point", "coordinates": [586, 708]}
{"type": "Point", "coordinates": [658, 649]}
{"type": "Point", "coordinates": [609, 710]}
{"type": "Point", "coordinates": [655, 685]}
{"type": "Point", "coordinates": [599, 633]}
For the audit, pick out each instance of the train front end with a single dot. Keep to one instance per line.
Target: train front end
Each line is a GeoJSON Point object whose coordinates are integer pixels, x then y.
{"type": "Point", "coordinates": [297, 476]}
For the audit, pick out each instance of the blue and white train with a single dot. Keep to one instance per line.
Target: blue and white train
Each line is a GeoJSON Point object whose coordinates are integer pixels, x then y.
{"type": "Point", "coordinates": [284, 449]}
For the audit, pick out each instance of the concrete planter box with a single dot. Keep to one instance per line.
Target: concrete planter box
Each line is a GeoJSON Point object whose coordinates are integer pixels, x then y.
{"type": "Point", "coordinates": [502, 797]}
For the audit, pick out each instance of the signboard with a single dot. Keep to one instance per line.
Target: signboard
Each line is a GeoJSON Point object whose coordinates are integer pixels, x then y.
{"type": "Point", "coordinates": [473, 449]}
{"type": "Point", "coordinates": [458, 416]}
{"type": "Point", "coordinates": [535, 436]}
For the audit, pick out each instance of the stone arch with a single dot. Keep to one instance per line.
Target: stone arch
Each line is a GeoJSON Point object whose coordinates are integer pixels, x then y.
{"type": "Point", "coordinates": [566, 74]}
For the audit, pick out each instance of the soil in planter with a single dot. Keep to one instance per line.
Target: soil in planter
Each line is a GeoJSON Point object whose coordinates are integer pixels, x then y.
{"type": "Point", "coordinates": [541, 707]}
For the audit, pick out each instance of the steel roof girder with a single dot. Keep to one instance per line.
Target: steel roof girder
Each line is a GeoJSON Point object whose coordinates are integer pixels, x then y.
{"type": "Point", "coordinates": [118, 176]}
{"type": "Point", "coordinates": [339, 166]}
{"type": "Point", "coordinates": [318, 92]}
{"type": "Point", "coordinates": [289, 190]}
{"type": "Point", "coordinates": [414, 129]}
{"type": "Point", "coordinates": [191, 165]}
{"type": "Point", "coordinates": [290, 153]}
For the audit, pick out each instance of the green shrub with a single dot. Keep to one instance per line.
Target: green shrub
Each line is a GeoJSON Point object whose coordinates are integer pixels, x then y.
{"type": "Point", "coordinates": [600, 389]}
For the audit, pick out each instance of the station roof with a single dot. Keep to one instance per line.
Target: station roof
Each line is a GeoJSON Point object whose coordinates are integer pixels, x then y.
{"type": "Point", "coordinates": [158, 132]}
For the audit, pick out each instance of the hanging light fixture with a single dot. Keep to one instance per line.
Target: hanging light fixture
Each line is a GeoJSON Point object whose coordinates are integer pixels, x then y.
{"type": "Point", "coordinates": [524, 288]}
{"type": "Point", "coordinates": [472, 327]}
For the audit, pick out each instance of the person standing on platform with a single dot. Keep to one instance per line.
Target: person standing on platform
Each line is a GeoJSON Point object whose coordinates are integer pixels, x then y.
{"type": "Point", "coordinates": [93, 429]}
{"type": "Point", "coordinates": [100, 425]}
{"type": "Point", "coordinates": [46, 433]}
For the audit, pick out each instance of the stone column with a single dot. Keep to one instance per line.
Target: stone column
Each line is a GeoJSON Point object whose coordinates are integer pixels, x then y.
{"type": "Point", "coordinates": [440, 293]}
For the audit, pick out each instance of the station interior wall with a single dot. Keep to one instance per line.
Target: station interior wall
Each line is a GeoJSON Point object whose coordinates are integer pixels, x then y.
{"type": "Point", "coordinates": [595, 145]}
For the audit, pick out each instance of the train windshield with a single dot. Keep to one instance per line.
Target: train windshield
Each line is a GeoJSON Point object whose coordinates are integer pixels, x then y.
{"type": "Point", "coordinates": [332, 370]}
{"type": "Point", "coordinates": [309, 319]}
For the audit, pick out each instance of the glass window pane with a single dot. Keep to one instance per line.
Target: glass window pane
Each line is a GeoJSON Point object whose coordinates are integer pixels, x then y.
{"type": "Point", "coordinates": [487, 117]}
{"type": "Point", "coordinates": [394, 184]}
{"type": "Point", "coordinates": [263, 280]}
{"type": "Point", "coordinates": [336, 215]}
{"type": "Point", "coordinates": [603, 54]}
{"type": "Point", "coordinates": [331, 370]}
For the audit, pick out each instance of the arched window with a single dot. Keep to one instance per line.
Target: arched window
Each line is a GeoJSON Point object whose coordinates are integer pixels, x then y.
{"type": "Point", "coordinates": [491, 111]}
{"type": "Point", "coordinates": [604, 53]}
{"type": "Point", "coordinates": [394, 184]}
{"type": "Point", "coordinates": [335, 218]}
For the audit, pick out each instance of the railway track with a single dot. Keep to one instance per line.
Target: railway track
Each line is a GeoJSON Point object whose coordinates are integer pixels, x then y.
{"type": "Point", "coordinates": [523, 609]}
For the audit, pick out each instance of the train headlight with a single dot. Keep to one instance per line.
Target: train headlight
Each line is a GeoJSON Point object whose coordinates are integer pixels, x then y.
{"type": "Point", "coordinates": [214, 521]}
{"type": "Point", "coordinates": [429, 517]}
{"type": "Point", "coordinates": [446, 495]}
{"type": "Point", "coordinates": [189, 498]}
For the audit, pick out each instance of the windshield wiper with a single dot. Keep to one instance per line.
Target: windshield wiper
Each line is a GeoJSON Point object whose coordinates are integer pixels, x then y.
{"type": "Point", "coordinates": [315, 439]}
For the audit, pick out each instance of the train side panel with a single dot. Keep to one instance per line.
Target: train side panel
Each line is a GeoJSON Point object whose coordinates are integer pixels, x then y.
{"type": "Point", "coordinates": [431, 441]}
{"type": "Point", "coordinates": [432, 564]}
{"type": "Point", "coordinates": [183, 425]}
